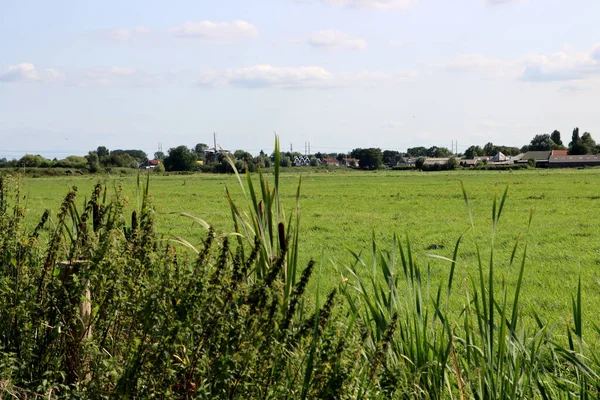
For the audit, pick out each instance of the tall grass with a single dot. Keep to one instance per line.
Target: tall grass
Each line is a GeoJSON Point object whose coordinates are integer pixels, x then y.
{"type": "Point", "coordinates": [94, 304]}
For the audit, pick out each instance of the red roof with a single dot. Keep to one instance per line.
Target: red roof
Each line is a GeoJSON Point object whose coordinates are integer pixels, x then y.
{"type": "Point", "coordinates": [559, 152]}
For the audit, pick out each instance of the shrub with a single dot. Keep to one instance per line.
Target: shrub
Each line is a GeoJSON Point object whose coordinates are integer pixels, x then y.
{"type": "Point", "coordinates": [107, 309]}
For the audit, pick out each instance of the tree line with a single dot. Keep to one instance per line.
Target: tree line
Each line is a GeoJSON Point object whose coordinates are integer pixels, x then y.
{"type": "Point", "coordinates": [201, 158]}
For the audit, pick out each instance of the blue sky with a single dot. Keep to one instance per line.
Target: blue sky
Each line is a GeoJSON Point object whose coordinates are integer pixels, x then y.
{"type": "Point", "coordinates": [339, 74]}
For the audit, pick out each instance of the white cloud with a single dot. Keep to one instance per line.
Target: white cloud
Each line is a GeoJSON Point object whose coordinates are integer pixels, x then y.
{"type": "Point", "coordinates": [491, 68]}
{"type": "Point", "coordinates": [335, 39]}
{"type": "Point", "coordinates": [204, 30]}
{"type": "Point", "coordinates": [20, 72]}
{"type": "Point", "coordinates": [374, 4]}
{"type": "Point", "coordinates": [115, 77]}
{"type": "Point", "coordinates": [209, 30]}
{"type": "Point", "coordinates": [141, 29]}
{"type": "Point", "coordinates": [572, 89]}
{"type": "Point", "coordinates": [374, 78]}
{"type": "Point", "coordinates": [27, 72]}
{"type": "Point", "coordinates": [124, 35]}
{"type": "Point", "coordinates": [269, 76]}
{"type": "Point", "coordinates": [53, 75]}
{"type": "Point", "coordinates": [266, 75]}
{"type": "Point", "coordinates": [122, 71]}
{"type": "Point", "coordinates": [392, 125]}
{"type": "Point", "coordinates": [120, 35]}
{"type": "Point", "coordinates": [565, 65]}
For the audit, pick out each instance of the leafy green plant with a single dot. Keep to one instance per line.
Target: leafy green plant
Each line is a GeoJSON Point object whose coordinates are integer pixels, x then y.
{"type": "Point", "coordinates": [95, 304]}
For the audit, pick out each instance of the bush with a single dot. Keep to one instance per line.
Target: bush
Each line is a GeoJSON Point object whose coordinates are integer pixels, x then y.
{"type": "Point", "coordinates": [107, 309]}
{"type": "Point", "coordinates": [501, 167]}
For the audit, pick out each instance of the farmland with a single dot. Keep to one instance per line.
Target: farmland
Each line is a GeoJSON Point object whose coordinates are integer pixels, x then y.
{"type": "Point", "coordinates": [127, 297]}
{"type": "Point", "coordinates": [342, 211]}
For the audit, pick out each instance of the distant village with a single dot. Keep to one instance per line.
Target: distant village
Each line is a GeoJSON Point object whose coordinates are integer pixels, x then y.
{"type": "Point", "coordinates": [543, 151]}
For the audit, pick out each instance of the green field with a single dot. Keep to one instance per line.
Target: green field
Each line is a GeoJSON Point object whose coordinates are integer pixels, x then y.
{"type": "Point", "coordinates": [342, 211]}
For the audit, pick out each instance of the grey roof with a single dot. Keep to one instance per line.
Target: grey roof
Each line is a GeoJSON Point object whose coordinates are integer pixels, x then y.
{"type": "Point", "coordinates": [499, 157]}
{"type": "Point", "coordinates": [575, 159]}
{"type": "Point", "coordinates": [433, 161]}
{"type": "Point", "coordinates": [537, 155]}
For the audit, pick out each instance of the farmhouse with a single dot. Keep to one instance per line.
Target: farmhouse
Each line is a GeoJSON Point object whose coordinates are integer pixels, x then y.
{"type": "Point", "coordinates": [350, 162]}
{"type": "Point", "coordinates": [499, 158]}
{"type": "Point", "coordinates": [301, 161]}
{"type": "Point", "coordinates": [407, 161]}
{"type": "Point", "coordinates": [434, 161]}
{"type": "Point", "coordinates": [574, 161]}
{"type": "Point", "coordinates": [332, 162]}
{"type": "Point", "coordinates": [541, 158]}
{"type": "Point", "coordinates": [150, 164]}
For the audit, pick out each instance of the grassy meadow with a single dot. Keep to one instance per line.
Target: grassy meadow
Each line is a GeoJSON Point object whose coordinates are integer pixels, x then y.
{"type": "Point", "coordinates": [416, 291]}
{"type": "Point", "coordinates": [341, 211]}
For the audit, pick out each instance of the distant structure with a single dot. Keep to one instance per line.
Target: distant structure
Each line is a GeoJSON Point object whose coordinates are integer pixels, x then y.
{"type": "Point", "coordinates": [302, 161]}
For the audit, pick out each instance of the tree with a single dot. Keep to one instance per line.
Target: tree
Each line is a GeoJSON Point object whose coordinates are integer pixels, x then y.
{"type": "Point", "coordinates": [438, 152]}
{"type": "Point", "coordinates": [473, 151]}
{"type": "Point", "coordinates": [391, 157]}
{"type": "Point", "coordinates": [180, 158]}
{"type": "Point", "coordinates": [102, 151]}
{"type": "Point", "coordinates": [420, 162]}
{"type": "Point", "coordinates": [575, 138]}
{"type": "Point", "coordinates": [117, 160]}
{"type": "Point", "coordinates": [200, 147]}
{"type": "Point", "coordinates": [370, 158]}
{"type": "Point", "coordinates": [588, 142]}
{"type": "Point", "coordinates": [159, 155]}
{"type": "Point", "coordinates": [452, 164]}
{"type": "Point", "coordinates": [489, 149]}
{"type": "Point", "coordinates": [93, 161]}
{"type": "Point", "coordinates": [417, 151]}
{"type": "Point", "coordinates": [243, 155]}
{"type": "Point", "coordinates": [160, 168]}
{"type": "Point", "coordinates": [138, 155]}
{"type": "Point", "coordinates": [29, 160]}
{"type": "Point", "coordinates": [541, 143]}
{"type": "Point", "coordinates": [577, 149]}
{"type": "Point", "coordinates": [285, 161]}
{"type": "Point", "coordinates": [582, 145]}
{"type": "Point", "coordinates": [555, 136]}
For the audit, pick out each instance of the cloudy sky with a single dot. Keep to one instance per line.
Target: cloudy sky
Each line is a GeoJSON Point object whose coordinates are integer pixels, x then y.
{"type": "Point", "coordinates": [339, 74]}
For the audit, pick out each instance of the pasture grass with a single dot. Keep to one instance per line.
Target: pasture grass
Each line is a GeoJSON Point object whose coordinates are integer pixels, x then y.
{"type": "Point", "coordinates": [343, 210]}
{"type": "Point", "coordinates": [444, 315]}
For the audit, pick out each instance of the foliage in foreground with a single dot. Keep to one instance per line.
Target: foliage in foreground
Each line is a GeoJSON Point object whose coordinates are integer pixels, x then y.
{"type": "Point", "coordinates": [107, 309]}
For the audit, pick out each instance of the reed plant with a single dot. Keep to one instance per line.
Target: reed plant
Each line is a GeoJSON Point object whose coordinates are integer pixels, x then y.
{"type": "Point", "coordinates": [95, 304]}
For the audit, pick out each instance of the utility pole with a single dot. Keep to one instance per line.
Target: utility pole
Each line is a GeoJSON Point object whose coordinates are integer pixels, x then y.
{"type": "Point", "coordinates": [309, 148]}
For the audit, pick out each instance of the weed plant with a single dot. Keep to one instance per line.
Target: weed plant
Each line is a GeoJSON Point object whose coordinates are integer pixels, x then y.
{"type": "Point", "coordinates": [94, 304]}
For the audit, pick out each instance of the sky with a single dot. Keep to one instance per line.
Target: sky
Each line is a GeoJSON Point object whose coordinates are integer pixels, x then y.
{"type": "Point", "coordinates": [340, 74]}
